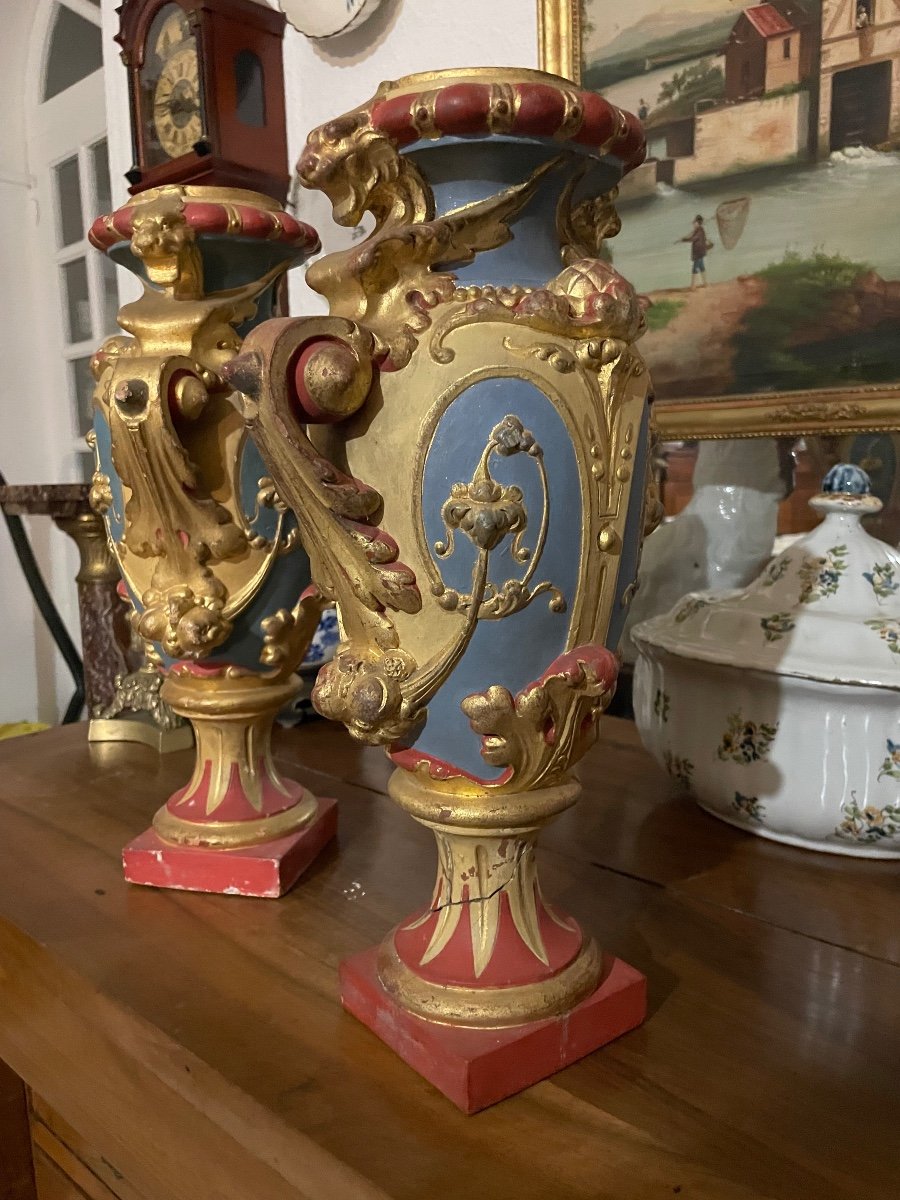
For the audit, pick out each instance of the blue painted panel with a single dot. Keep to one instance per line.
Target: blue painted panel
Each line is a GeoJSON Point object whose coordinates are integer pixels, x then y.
{"type": "Point", "coordinates": [228, 262]}
{"type": "Point", "coordinates": [115, 517]}
{"type": "Point", "coordinates": [462, 171]}
{"type": "Point", "coordinates": [516, 650]}
{"type": "Point", "coordinates": [252, 469]}
{"type": "Point", "coordinates": [288, 579]}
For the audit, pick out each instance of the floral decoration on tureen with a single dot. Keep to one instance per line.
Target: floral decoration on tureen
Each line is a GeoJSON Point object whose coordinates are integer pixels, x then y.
{"type": "Point", "coordinates": [777, 705]}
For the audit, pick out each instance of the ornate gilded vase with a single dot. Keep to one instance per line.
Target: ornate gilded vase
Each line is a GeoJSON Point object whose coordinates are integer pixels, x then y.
{"type": "Point", "coordinates": [471, 491]}
{"type": "Point", "coordinates": [209, 554]}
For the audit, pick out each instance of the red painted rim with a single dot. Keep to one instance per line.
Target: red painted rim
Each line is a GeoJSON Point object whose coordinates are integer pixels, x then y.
{"type": "Point", "coordinates": [532, 110]}
{"type": "Point", "coordinates": [236, 220]}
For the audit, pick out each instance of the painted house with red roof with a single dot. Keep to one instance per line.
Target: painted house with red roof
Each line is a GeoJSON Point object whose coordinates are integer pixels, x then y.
{"type": "Point", "coordinates": [765, 52]}
{"type": "Point", "coordinates": [803, 79]}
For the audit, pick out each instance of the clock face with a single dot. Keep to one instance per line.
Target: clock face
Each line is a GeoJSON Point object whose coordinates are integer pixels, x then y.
{"type": "Point", "coordinates": [176, 104]}
{"type": "Point", "coordinates": [171, 104]}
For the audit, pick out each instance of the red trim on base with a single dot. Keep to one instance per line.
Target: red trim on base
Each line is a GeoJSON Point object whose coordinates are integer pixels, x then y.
{"type": "Point", "coordinates": [512, 962]}
{"type": "Point", "coordinates": [477, 1067]}
{"type": "Point", "coordinates": [268, 869]}
{"type": "Point", "coordinates": [191, 803]}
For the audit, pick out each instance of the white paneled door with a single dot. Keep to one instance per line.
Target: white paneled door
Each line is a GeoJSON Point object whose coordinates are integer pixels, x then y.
{"type": "Point", "coordinates": [68, 147]}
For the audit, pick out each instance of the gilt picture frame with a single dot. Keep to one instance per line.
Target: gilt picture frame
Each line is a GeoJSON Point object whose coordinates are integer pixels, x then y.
{"type": "Point", "coordinates": [774, 129]}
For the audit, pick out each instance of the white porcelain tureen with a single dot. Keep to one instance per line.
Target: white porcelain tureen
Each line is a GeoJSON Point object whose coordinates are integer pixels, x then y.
{"type": "Point", "coordinates": [778, 706]}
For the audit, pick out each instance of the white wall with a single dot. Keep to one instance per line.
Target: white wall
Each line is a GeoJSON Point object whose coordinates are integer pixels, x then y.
{"type": "Point", "coordinates": [18, 685]}
{"type": "Point", "coordinates": [326, 77]}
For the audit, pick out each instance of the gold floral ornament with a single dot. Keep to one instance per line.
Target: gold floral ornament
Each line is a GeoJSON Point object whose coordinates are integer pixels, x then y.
{"type": "Point", "coordinates": [287, 634]}
{"type": "Point", "coordinates": [376, 688]}
{"type": "Point", "coordinates": [100, 496]}
{"type": "Point", "coordinates": [167, 246]}
{"type": "Point", "coordinates": [584, 228]}
{"type": "Point", "coordinates": [139, 692]}
{"type": "Point", "coordinates": [360, 169]}
{"type": "Point", "coordinates": [488, 512]}
{"type": "Point", "coordinates": [485, 512]}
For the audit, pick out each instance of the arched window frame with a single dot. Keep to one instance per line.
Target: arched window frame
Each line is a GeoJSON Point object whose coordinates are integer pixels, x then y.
{"type": "Point", "coordinates": [71, 124]}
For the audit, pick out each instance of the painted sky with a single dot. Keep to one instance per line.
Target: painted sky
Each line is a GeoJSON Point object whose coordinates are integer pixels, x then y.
{"type": "Point", "coordinates": [620, 28]}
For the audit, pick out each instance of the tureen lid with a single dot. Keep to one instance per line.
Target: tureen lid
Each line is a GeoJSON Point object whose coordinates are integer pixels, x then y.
{"type": "Point", "coordinates": [827, 608]}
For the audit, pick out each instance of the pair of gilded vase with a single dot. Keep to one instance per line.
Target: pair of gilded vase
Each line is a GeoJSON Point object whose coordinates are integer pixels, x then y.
{"type": "Point", "coordinates": [456, 457]}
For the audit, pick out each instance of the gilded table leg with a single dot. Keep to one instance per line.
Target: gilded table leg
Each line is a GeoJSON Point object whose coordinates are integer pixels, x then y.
{"type": "Point", "coordinates": [105, 633]}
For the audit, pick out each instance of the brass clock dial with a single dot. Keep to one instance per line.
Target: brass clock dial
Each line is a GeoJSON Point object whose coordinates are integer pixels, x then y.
{"type": "Point", "coordinates": [176, 103]}
{"type": "Point", "coordinates": [170, 105]}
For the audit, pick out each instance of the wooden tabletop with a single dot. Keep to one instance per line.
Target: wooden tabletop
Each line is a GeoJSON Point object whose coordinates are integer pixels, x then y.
{"type": "Point", "coordinates": [198, 1043]}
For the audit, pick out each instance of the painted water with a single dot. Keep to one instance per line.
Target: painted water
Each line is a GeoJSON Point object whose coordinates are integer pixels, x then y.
{"type": "Point", "coordinates": [846, 205]}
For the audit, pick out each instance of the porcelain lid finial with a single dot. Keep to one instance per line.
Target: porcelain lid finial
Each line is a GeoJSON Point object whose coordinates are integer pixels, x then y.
{"type": "Point", "coordinates": [846, 489]}
{"type": "Point", "coordinates": [848, 479]}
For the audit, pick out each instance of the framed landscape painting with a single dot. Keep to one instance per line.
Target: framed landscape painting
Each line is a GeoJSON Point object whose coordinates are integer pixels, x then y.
{"type": "Point", "coordinates": [763, 230]}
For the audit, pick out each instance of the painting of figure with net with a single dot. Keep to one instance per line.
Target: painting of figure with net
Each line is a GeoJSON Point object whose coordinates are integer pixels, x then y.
{"type": "Point", "coordinates": [762, 231]}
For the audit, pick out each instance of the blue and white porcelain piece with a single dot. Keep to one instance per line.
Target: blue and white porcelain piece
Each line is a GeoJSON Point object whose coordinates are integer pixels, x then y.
{"type": "Point", "coordinates": [322, 647]}
{"type": "Point", "coordinates": [848, 480]}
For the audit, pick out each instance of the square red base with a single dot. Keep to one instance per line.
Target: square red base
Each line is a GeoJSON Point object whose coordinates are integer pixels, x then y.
{"type": "Point", "coordinates": [268, 869]}
{"type": "Point", "coordinates": [477, 1067]}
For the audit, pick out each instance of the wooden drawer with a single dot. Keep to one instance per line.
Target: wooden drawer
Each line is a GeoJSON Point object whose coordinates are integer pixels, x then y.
{"type": "Point", "coordinates": [51, 1182]}
{"type": "Point", "coordinates": [65, 1166]}
{"type": "Point", "coordinates": [16, 1176]}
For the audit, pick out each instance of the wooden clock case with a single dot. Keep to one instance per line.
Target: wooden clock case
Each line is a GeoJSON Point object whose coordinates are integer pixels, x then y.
{"type": "Point", "coordinates": [231, 153]}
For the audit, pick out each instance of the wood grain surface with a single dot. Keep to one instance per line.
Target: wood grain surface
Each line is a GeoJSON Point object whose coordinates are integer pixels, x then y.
{"type": "Point", "coordinates": [197, 1044]}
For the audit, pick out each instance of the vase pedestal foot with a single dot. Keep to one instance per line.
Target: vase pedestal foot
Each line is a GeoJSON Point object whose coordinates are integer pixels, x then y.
{"type": "Point", "coordinates": [477, 1067]}
{"type": "Point", "coordinates": [237, 828]}
{"type": "Point", "coordinates": [267, 869]}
